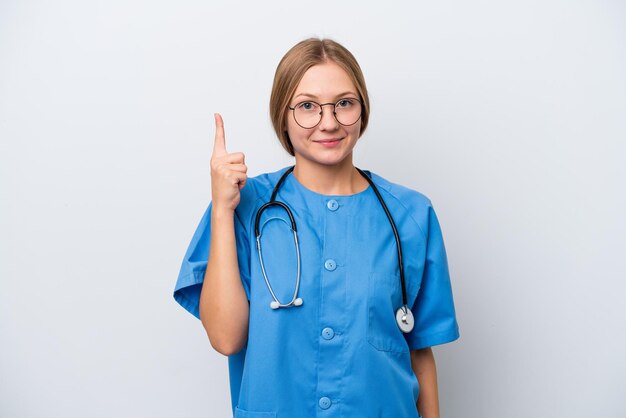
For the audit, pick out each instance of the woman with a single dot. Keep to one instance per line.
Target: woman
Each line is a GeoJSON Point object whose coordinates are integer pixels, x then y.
{"type": "Point", "coordinates": [324, 327]}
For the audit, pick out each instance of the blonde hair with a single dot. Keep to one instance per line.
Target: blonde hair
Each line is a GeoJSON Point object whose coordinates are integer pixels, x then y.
{"type": "Point", "coordinates": [291, 69]}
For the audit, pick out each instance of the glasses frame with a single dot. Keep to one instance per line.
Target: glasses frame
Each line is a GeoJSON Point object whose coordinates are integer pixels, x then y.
{"type": "Point", "coordinates": [321, 105]}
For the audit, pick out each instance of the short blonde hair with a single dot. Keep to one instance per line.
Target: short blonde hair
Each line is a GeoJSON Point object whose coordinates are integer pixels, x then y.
{"type": "Point", "coordinates": [291, 69]}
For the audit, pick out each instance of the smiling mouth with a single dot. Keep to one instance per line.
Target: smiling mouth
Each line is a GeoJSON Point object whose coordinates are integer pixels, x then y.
{"type": "Point", "coordinates": [328, 141]}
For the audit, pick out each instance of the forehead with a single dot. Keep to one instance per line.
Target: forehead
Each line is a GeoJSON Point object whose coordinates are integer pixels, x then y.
{"type": "Point", "coordinates": [325, 81]}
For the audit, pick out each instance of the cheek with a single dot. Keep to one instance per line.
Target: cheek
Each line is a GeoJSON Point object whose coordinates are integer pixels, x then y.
{"type": "Point", "coordinates": [355, 130]}
{"type": "Point", "coordinates": [290, 126]}
{"type": "Point", "coordinates": [295, 132]}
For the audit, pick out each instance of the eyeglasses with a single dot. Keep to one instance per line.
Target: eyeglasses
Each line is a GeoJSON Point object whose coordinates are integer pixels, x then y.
{"type": "Point", "coordinates": [308, 114]}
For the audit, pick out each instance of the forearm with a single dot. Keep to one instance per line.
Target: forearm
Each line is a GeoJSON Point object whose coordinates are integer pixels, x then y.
{"type": "Point", "coordinates": [423, 364]}
{"type": "Point", "coordinates": [224, 308]}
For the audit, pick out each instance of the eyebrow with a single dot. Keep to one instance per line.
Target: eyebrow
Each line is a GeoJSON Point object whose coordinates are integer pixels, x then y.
{"type": "Point", "coordinates": [345, 93]}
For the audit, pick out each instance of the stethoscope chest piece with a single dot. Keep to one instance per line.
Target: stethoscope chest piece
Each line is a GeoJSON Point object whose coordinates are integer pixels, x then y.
{"type": "Point", "coordinates": [405, 320]}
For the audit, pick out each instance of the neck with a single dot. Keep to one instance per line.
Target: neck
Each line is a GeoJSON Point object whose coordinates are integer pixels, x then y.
{"type": "Point", "coordinates": [340, 179]}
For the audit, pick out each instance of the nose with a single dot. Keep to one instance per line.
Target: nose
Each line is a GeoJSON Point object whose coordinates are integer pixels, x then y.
{"type": "Point", "coordinates": [329, 121]}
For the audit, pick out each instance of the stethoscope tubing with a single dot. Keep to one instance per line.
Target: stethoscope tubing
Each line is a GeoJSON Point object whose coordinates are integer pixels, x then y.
{"type": "Point", "coordinates": [403, 312]}
{"type": "Point", "coordinates": [267, 282]}
{"type": "Point", "coordinates": [395, 233]}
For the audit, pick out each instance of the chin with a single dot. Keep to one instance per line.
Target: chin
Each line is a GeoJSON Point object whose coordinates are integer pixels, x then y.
{"type": "Point", "coordinates": [330, 161]}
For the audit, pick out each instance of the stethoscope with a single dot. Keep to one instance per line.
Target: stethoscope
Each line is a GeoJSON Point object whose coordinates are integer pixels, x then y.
{"type": "Point", "coordinates": [404, 316]}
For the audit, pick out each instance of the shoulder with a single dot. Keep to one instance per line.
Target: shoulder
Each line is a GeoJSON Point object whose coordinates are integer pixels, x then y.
{"type": "Point", "coordinates": [412, 203]}
{"type": "Point", "coordinates": [400, 192]}
{"type": "Point", "coordinates": [260, 187]}
{"type": "Point", "coordinates": [257, 191]}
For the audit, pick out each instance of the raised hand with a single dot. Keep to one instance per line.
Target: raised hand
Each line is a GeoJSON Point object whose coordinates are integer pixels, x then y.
{"type": "Point", "coordinates": [228, 171]}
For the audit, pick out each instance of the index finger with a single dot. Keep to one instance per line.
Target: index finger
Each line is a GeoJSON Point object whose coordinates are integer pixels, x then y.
{"type": "Point", "coordinates": [219, 147]}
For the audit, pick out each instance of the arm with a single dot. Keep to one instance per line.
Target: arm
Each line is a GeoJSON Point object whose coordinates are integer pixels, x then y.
{"type": "Point", "coordinates": [423, 365]}
{"type": "Point", "coordinates": [224, 308]}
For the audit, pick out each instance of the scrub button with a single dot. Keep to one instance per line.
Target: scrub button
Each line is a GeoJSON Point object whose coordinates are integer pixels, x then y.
{"type": "Point", "coordinates": [328, 333]}
{"type": "Point", "coordinates": [325, 402]}
{"type": "Point", "coordinates": [330, 264]}
{"type": "Point", "coordinates": [332, 205]}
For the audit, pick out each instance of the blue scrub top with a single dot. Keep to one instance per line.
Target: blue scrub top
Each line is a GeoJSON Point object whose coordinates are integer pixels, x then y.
{"type": "Point", "coordinates": [341, 353]}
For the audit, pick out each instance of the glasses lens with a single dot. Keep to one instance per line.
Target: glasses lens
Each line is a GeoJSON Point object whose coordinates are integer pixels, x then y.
{"type": "Point", "coordinates": [307, 114]}
{"type": "Point", "coordinates": [348, 111]}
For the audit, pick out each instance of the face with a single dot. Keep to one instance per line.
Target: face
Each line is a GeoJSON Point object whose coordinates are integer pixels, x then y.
{"type": "Point", "coordinates": [329, 143]}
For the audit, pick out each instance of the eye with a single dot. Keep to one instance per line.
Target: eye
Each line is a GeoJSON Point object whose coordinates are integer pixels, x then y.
{"type": "Point", "coordinates": [307, 106]}
{"type": "Point", "coordinates": [345, 103]}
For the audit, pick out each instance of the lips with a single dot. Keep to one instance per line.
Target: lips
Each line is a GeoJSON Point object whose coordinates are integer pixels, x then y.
{"type": "Point", "coordinates": [329, 140]}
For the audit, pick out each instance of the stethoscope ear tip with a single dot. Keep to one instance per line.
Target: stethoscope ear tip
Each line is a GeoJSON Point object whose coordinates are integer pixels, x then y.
{"type": "Point", "coordinates": [298, 302]}
{"type": "Point", "coordinates": [274, 305]}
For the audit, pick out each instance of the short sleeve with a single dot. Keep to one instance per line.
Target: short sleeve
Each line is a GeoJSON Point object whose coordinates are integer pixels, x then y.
{"type": "Point", "coordinates": [191, 275]}
{"type": "Point", "coordinates": [433, 310]}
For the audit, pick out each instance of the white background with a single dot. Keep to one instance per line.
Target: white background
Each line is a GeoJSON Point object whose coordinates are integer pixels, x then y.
{"type": "Point", "coordinates": [510, 116]}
